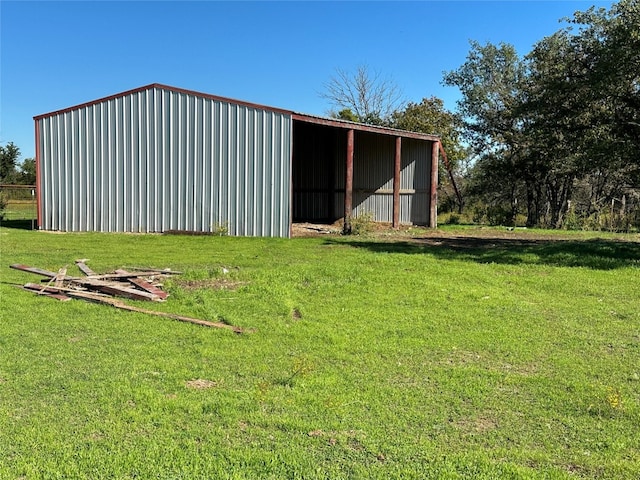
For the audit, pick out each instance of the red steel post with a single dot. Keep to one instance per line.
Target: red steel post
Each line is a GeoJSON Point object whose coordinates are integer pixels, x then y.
{"type": "Point", "coordinates": [348, 184]}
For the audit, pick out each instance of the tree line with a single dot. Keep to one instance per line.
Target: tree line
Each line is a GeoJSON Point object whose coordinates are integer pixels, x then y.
{"type": "Point", "coordinates": [13, 172]}
{"type": "Point", "coordinates": [548, 139]}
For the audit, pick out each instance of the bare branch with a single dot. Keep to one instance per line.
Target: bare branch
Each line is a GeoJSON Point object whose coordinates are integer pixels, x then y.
{"type": "Point", "coordinates": [365, 93]}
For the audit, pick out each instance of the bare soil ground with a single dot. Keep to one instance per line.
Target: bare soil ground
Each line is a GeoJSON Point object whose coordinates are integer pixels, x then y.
{"type": "Point", "coordinates": [463, 238]}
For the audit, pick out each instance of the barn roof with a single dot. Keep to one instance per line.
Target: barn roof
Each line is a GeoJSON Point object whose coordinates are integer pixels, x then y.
{"type": "Point", "coordinates": [301, 117]}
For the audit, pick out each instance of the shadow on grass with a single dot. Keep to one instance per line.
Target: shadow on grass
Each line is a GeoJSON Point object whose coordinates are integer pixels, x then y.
{"type": "Point", "coordinates": [593, 253]}
{"type": "Point", "coordinates": [19, 224]}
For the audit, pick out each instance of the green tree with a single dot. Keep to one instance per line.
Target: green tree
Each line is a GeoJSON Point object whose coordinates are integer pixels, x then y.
{"type": "Point", "coordinates": [346, 114]}
{"type": "Point", "coordinates": [9, 155]}
{"type": "Point", "coordinates": [430, 116]}
{"type": "Point", "coordinates": [491, 81]}
{"type": "Point", "coordinates": [27, 172]}
{"type": "Point", "coordinates": [560, 127]}
{"type": "Point", "coordinates": [583, 109]}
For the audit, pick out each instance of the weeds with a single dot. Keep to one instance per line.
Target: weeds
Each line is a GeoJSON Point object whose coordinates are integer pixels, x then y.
{"type": "Point", "coordinates": [301, 367]}
{"type": "Point", "coordinates": [363, 224]}
{"type": "Point", "coordinates": [614, 398]}
{"type": "Point", "coordinates": [220, 229]}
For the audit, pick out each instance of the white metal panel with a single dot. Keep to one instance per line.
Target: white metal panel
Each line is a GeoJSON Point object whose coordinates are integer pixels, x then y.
{"type": "Point", "coordinates": [157, 159]}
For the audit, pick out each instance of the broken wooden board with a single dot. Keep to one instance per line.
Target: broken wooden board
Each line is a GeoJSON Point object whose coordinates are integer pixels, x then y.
{"type": "Point", "coordinates": [45, 291]}
{"type": "Point", "coordinates": [117, 290]}
{"type": "Point", "coordinates": [126, 275]}
{"type": "Point", "coordinates": [84, 268]}
{"type": "Point", "coordinates": [106, 300]}
{"type": "Point", "coordinates": [144, 285]}
{"type": "Point", "coordinates": [98, 288]}
{"type": "Point", "coordinates": [37, 271]}
{"type": "Point", "coordinates": [58, 280]}
{"type": "Point", "coordinates": [98, 282]}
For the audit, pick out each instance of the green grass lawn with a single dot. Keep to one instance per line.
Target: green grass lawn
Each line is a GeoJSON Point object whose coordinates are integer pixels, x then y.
{"type": "Point", "coordinates": [468, 353]}
{"type": "Point", "coordinates": [20, 210]}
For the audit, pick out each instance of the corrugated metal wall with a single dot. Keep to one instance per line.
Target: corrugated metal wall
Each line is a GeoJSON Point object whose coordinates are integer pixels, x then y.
{"type": "Point", "coordinates": [373, 159]}
{"type": "Point", "coordinates": [158, 160]}
{"type": "Point", "coordinates": [319, 169]}
{"type": "Point", "coordinates": [415, 181]}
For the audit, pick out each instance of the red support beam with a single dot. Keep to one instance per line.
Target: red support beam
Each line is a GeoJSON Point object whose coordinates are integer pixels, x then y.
{"type": "Point", "coordinates": [396, 183]}
{"type": "Point", "coordinates": [433, 202]}
{"type": "Point", "coordinates": [348, 184]}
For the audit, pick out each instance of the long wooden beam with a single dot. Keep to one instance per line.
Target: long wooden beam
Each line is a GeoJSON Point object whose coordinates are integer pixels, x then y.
{"type": "Point", "coordinates": [97, 298]}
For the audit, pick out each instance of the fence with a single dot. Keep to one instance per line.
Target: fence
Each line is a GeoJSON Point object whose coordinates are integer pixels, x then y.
{"type": "Point", "coordinates": [18, 204]}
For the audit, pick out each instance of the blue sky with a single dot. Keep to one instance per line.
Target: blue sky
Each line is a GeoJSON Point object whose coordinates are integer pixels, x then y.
{"type": "Point", "coordinates": [58, 54]}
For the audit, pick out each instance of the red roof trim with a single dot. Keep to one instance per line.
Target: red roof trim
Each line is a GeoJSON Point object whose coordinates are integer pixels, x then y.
{"type": "Point", "coordinates": [163, 87]}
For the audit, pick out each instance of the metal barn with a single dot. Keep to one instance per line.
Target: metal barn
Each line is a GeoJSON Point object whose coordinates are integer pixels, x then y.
{"type": "Point", "coordinates": [161, 158]}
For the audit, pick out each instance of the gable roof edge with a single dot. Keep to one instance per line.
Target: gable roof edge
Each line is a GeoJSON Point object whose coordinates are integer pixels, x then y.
{"type": "Point", "coordinates": [163, 87]}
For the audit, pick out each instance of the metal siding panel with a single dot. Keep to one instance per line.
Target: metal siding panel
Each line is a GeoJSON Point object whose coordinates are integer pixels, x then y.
{"type": "Point", "coordinates": [86, 165]}
{"type": "Point", "coordinates": [56, 175]}
{"type": "Point", "coordinates": [45, 171]}
{"type": "Point", "coordinates": [167, 141]}
{"type": "Point", "coordinates": [373, 171]}
{"type": "Point", "coordinates": [156, 160]}
{"type": "Point", "coordinates": [61, 172]}
{"type": "Point", "coordinates": [414, 177]}
{"type": "Point", "coordinates": [47, 160]}
{"type": "Point", "coordinates": [140, 154]}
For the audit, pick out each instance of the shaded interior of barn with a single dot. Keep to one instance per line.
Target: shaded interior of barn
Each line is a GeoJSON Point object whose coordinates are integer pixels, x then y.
{"type": "Point", "coordinates": [319, 174]}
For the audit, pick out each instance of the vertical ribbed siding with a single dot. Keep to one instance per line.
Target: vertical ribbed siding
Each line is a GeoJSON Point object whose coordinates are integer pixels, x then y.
{"type": "Point", "coordinates": [158, 160]}
{"type": "Point", "coordinates": [415, 177]}
{"type": "Point", "coordinates": [373, 176]}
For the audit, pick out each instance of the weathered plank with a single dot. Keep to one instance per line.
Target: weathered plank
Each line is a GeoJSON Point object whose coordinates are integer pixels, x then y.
{"type": "Point", "coordinates": [37, 271]}
{"type": "Point", "coordinates": [59, 278]}
{"type": "Point", "coordinates": [114, 302]}
{"type": "Point", "coordinates": [146, 286]}
{"type": "Point", "coordinates": [127, 275]}
{"type": "Point", "coordinates": [117, 290]}
{"type": "Point", "coordinates": [54, 293]}
{"type": "Point", "coordinates": [181, 318]}
{"type": "Point", "coordinates": [51, 289]}
{"type": "Point", "coordinates": [84, 267]}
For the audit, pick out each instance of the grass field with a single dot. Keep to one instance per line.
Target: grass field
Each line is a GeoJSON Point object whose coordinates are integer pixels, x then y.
{"type": "Point", "coordinates": [463, 353]}
{"type": "Point", "coordinates": [20, 210]}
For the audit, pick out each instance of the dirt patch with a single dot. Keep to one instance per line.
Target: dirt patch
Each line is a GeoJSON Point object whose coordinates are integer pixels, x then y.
{"type": "Point", "coordinates": [478, 425]}
{"type": "Point", "coordinates": [201, 384]}
{"type": "Point", "coordinates": [471, 238]}
{"type": "Point", "coordinates": [475, 238]}
{"type": "Point", "coordinates": [315, 229]}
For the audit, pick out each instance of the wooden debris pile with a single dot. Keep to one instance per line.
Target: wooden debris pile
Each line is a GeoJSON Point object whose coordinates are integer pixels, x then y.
{"type": "Point", "coordinates": [141, 284]}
